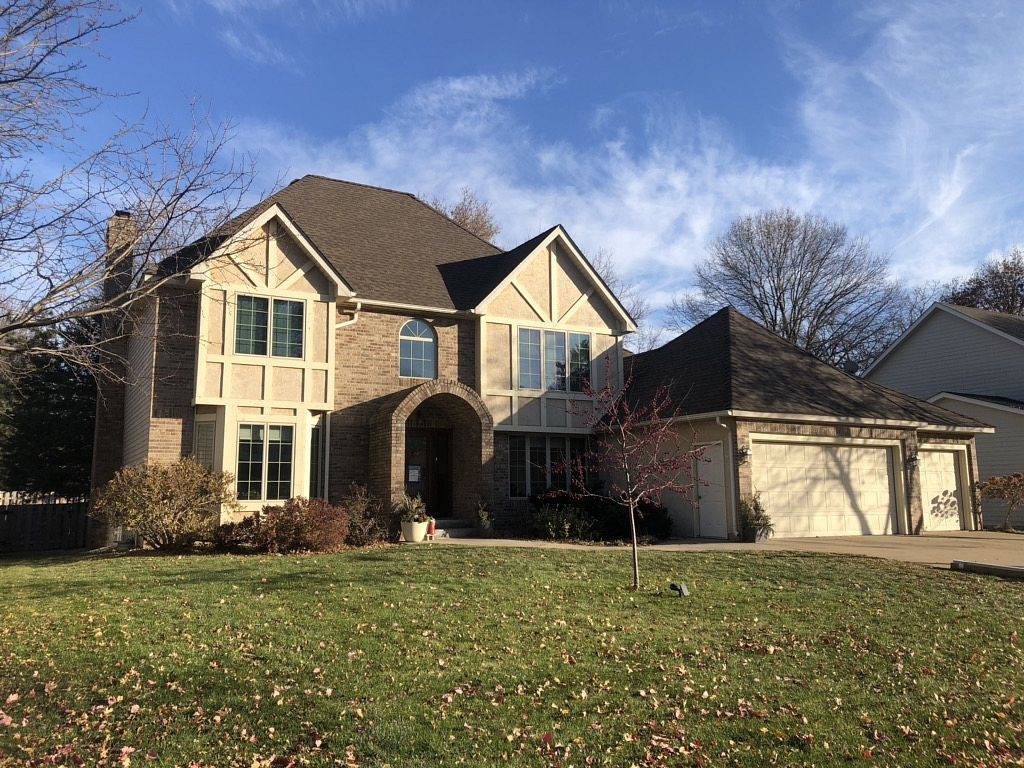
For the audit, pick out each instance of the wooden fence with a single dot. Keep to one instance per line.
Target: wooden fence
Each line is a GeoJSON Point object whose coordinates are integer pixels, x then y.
{"type": "Point", "coordinates": [37, 522]}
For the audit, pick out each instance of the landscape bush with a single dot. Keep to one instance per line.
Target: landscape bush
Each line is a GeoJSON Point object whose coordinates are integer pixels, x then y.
{"type": "Point", "coordinates": [605, 519]}
{"type": "Point", "coordinates": [562, 522]}
{"type": "Point", "coordinates": [170, 506]}
{"type": "Point", "coordinates": [368, 523]}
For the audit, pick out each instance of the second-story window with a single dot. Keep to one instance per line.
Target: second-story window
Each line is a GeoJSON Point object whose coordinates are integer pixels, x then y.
{"type": "Point", "coordinates": [561, 364]}
{"type": "Point", "coordinates": [554, 360]}
{"type": "Point", "coordinates": [579, 361]}
{"type": "Point", "coordinates": [529, 358]}
{"type": "Point", "coordinates": [417, 351]}
{"type": "Point", "coordinates": [255, 324]}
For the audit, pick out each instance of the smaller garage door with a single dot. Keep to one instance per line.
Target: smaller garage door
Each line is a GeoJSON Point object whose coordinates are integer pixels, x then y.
{"type": "Point", "coordinates": [941, 490]}
{"type": "Point", "coordinates": [701, 512]}
{"type": "Point", "coordinates": [825, 489]}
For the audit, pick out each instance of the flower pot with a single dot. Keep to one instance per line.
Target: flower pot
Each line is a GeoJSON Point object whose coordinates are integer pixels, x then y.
{"type": "Point", "coordinates": [414, 533]}
{"type": "Point", "coordinates": [431, 527]}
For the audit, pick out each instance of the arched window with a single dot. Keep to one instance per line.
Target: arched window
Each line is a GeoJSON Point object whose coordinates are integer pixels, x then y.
{"type": "Point", "coordinates": [417, 350]}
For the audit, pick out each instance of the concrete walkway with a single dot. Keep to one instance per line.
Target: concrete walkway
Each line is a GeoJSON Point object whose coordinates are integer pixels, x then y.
{"type": "Point", "coordinates": [935, 549]}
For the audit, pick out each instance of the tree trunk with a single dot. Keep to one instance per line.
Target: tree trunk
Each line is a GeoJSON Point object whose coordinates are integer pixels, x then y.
{"type": "Point", "coordinates": [636, 555]}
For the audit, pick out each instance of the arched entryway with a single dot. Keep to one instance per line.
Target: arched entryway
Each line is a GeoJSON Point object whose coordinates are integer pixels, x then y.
{"type": "Point", "coordinates": [435, 440]}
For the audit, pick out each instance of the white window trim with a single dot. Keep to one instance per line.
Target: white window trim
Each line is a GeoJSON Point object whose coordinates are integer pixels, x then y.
{"type": "Point", "coordinates": [270, 326]}
{"type": "Point", "coordinates": [567, 334]}
{"type": "Point", "coordinates": [437, 344]}
{"type": "Point", "coordinates": [266, 458]}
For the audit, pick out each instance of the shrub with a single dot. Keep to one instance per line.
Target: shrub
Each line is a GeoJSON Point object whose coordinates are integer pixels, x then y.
{"type": "Point", "coordinates": [754, 519]}
{"type": "Point", "coordinates": [242, 536]}
{"type": "Point", "coordinates": [409, 509]}
{"type": "Point", "coordinates": [367, 523]}
{"type": "Point", "coordinates": [171, 506]}
{"type": "Point", "coordinates": [300, 524]}
{"type": "Point", "coordinates": [1008, 489]}
{"type": "Point", "coordinates": [610, 520]}
{"type": "Point", "coordinates": [562, 522]}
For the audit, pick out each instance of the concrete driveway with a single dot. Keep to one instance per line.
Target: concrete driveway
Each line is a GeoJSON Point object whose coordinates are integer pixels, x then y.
{"type": "Point", "coordinates": [935, 549]}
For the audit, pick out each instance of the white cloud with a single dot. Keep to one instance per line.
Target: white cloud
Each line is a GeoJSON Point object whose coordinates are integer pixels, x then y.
{"type": "Point", "coordinates": [246, 43]}
{"type": "Point", "coordinates": [911, 142]}
{"type": "Point", "coordinates": [348, 10]}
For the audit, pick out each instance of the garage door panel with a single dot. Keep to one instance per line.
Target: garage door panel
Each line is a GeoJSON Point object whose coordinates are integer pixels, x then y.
{"type": "Point", "coordinates": [825, 489]}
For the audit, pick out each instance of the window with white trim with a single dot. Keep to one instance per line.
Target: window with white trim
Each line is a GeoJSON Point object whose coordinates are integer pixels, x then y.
{"type": "Point", "coordinates": [538, 463]}
{"type": "Point", "coordinates": [258, 319]}
{"type": "Point", "coordinates": [561, 363]}
{"type": "Point", "coordinates": [417, 350]}
{"type": "Point", "coordinates": [265, 462]}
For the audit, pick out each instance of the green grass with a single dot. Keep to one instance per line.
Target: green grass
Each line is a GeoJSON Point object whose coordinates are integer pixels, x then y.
{"type": "Point", "coordinates": [434, 655]}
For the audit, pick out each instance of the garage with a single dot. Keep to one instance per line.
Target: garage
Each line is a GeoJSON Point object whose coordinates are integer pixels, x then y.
{"type": "Point", "coordinates": [826, 489]}
{"type": "Point", "coordinates": [941, 490]}
{"type": "Point", "coordinates": [702, 512]}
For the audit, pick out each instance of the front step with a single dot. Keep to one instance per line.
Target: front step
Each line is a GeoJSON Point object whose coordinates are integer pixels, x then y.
{"type": "Point", "coordinates": [455, 528]}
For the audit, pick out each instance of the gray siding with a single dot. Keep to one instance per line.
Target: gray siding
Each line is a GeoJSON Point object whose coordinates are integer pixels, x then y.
{"type": "Point", "coordinates": [138, 397]}
{"type": "Point", "coordinates": [949, 354]}
{"type": "Point", "coordinates": [1001, 453]}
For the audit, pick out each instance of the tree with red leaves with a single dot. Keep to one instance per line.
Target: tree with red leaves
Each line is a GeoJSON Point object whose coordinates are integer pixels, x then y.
{"type": "Point", "coordinates": [636, 446]}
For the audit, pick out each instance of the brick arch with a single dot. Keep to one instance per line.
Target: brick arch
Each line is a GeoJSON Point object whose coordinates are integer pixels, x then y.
{"type": "Point", "coordinates": [456, 406]}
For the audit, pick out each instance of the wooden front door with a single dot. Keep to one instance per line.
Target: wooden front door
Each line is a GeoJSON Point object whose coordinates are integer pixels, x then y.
{"type": "Point", "coordinates": [428, 469]}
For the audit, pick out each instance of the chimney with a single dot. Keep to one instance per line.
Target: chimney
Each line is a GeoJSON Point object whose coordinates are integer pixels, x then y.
{"type": "Point", "coordinates": [108, 442]}
{"type": "Point", "coordinates": [122, 233]}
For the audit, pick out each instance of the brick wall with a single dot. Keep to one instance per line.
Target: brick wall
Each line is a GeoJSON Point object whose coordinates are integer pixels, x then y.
{"type": "Point", "coordinates": [174, 365]}
{"type": "Point", "coordinates": [366, 372]}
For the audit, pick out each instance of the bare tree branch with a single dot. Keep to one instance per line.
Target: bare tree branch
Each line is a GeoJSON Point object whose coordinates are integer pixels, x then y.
{"type": "Point", "coordinates": [470, 212]}
{"type": "Point", "coordinates": [997, 286]}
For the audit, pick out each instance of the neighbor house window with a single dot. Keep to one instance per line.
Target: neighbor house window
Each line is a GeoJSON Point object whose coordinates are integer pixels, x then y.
{"type": "Point", "coordinates": [206, 432]}
{"type": "Point", "coordinates": [529, 358]}
{"type": "Point", "coordinates": [265, 461]}
{"type": "Point", "coordinates": [538, 463]}
{"type": "Point", "coordinates": [417, 347]}
{"type": "Point", "coordinates": [579, 361]}
{"type": "Point", "coordinates": [254, 324]}
{"type": "Point", "coordinates": [288, 324]}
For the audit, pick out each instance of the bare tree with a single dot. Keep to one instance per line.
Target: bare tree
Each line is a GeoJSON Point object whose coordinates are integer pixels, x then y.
{"type": "Point", "coordinates": [175, 185]}
{"type": "Point", "coordinates": [637, 447]}
{"type": "Point", "coordinates": [632, 298]}
{"type": "Point", "coordinates": [997, 285]}
{"type": "Point", "coordinates": [471, 213]}
{"type": "Point", "coordinates": [806, 279]}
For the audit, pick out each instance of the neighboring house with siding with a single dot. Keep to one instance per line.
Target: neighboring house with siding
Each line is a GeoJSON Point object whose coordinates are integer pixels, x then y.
{"type": "Point", "coordinates": [970, 361]}
{"type": "Point", "coordinates": [338, 333]}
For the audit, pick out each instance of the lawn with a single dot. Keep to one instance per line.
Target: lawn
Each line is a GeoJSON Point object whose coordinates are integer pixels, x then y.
{"type": "Point", "coordinates": [442, 655]}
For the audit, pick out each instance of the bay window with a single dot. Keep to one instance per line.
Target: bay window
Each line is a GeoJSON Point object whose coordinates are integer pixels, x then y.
{"type": "Point", "coordinates": [265, 462]}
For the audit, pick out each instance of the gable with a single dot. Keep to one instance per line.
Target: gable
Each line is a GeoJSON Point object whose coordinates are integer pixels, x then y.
{"type": "Point", "coordinates": [947, 352]}
{"type": "Point", "coordinates": [552, 286]}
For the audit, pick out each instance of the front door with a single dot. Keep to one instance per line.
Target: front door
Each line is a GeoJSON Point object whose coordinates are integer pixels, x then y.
{"type": "Point", "coordinates": [428, 469]}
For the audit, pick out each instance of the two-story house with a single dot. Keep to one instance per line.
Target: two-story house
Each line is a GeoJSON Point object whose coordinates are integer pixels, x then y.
{"type": "Point", "coordinates": [970, 361]}
{"type": "Point", "coordinates": [339, 333]}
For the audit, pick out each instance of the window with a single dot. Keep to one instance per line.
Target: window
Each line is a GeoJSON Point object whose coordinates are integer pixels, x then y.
{"type": "Point", "coordinates": [558, 373]}
{"type": "Point", "coordinates": [318, 458]}
{"type": "Point", "coordinates": [205, 441]}
{"type": "Point", "coordinates": [264, 452]}
{"type": "Point", "coordinates": [579, 361]}
{"type": "Point", "coordinates": [417, 351]}
{"type": "Point", "coordinates": [251, 326]}
{"type": "Point", "coordinates": [537, 463]}
{"type": "Point", "coordinates": [252, 321]}
{"type": "Point", "coordinates": [288, 323]}
{"type": "Point", "coordinates": [249, 482]}
{"type": "Point", "coordinates": [554, 360]}
{"type": "Point", "coordinates": [529, 358]}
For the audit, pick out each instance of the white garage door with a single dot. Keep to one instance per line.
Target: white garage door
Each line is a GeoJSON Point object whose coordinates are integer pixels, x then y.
{"type": "Point", "coordinates": [941, 491]}
{"type": "Point", "coordinates": [824, 489]}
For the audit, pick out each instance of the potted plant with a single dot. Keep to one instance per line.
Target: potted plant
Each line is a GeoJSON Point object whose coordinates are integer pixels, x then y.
{"type": "Point", "coordinates": [756, 523]}
{"type": "Point", "coordinates": [413, 514]}
{"type": "Point", "coordinates": [483, 515]}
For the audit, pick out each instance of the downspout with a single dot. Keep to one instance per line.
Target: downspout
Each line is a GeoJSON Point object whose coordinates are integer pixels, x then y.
{"type": "Point", "coordinates": [353, 319]}
{"type": "Point", "coordinates": [730, 459]}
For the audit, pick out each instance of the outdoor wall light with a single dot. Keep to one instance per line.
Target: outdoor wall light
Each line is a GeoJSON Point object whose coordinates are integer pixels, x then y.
{"type": "Point", "coordinates": [913, 460]}
{"type": "Point", "coordinates": [743, 455]}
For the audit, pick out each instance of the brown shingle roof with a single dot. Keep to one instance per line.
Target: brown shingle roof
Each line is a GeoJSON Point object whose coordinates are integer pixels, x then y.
{"type": "Point", "coordinates": [387, 245]}
{"type": "Point", "coordinates": [730, 362]}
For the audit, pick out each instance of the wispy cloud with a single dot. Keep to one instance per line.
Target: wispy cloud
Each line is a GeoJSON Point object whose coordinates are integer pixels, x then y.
{"type": "Point", "coordinates": [248, 44]}
{"type": "Point", "coordinates": [911, 141]}
{"type": "Point", "coordinates": [348, 10]}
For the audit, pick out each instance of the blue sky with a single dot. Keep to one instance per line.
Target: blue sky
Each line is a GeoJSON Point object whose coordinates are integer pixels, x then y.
{"type": "Point", "coordinates": [644, 127]}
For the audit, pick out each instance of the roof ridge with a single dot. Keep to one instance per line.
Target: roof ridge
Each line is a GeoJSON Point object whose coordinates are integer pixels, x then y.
{"type": "Point", "coordinates": [350, 183]}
